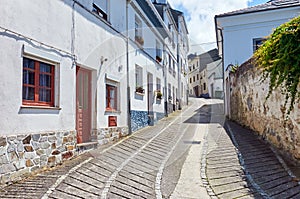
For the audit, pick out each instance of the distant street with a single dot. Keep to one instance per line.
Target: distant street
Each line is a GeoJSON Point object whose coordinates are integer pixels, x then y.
{"type": "Point", "coordinates": [187, 155]}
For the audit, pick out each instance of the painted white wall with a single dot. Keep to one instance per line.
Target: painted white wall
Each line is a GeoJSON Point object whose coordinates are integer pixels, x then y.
{"type": "Point", "coordinates": [240, 30]}
{"type": "Point", "coordinates": [72, 29]}
{"type": "Point", "coordinates": [93, 39]}
{"type": "Point", "coordinates": [144, 58]}
{"type": "Point", "coordinates": [215, 77]}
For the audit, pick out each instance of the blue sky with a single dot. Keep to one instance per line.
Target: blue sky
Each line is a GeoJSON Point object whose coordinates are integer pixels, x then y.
{"type": "Point", "coordinates": [256, 2]}
{"type": "Point", "coordinates": [199, 15]}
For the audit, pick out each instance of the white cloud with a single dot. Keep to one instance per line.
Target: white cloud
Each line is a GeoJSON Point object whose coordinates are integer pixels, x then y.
{"type": "Point", "coordinates": [200, 14]}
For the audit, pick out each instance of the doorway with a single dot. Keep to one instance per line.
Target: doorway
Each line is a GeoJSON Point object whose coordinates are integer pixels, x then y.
{"type": "Point", "coordinates": [83, 104]}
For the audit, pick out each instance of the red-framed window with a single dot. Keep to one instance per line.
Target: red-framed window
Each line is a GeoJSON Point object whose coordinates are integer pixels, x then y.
{"type": "Point", "coordinates": [38, 83]}
{"type": "Point", "coordinates": [111, 98]}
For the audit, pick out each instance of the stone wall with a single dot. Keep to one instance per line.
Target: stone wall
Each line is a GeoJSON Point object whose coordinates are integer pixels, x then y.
{"type": "Point", "coordinates": [250, 108]}
{"type": "Point", "coordinates": [22, 154]}
{"type": "Point", "coordinates": [106, 135]}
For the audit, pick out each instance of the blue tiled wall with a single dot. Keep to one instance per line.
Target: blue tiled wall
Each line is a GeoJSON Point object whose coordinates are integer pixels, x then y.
{"type": "Point", "coordinates": [159, 116]}
{"type": "Point", "coordinates": [139, 119]}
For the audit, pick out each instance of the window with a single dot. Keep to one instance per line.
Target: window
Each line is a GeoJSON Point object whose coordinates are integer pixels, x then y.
{"type": "Point", "coordinates": [193, 66]}
{"type": "Point", "coordinates": [99, 11]}
{"type": "Point", "coordinates": [197, 76]}
{"type": "Point", "coordinates": [111, 98]}
{"type": "Point", "coordinates": [38, 83]}
{"type": "Point", "coordinates": [170, 62]}
{"type": "Point", "coordinates": [158, 50]}
{"type": "Point", "coordinates": [169, 92]}
{"type": "Point", "coordinates": [204, 86]}
{"type": "Point", "coordinates": [138, 31]}
{"type": "Point", "coordinates": [158, 85]}
{"type": "Point", "coordinates": [138, 77]}
{"type": "Point", "coordinates": [257, 42]}
{"type": "Point", "coordinates": [190, 80]}
{"type": "Point", "coordinates": [174, 68]}
{"type": "Point", "coordinates": [194, 79]}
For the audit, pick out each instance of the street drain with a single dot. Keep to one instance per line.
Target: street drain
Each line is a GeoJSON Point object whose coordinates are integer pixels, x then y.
{"type": "Point", "coordinates": [191, 142]}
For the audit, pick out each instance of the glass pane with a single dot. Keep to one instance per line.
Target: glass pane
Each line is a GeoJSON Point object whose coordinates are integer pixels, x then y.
{"type": "Point", "coordinates": [28, 77]}
{"type": "Point", "coordinates": [44, 95]}
{"type": "Point", "coordinates": [28, 63]}
{"type": "Point", "coordinates": [45, 68]}
{"type": "Point", "coordinates": [45, 80]}
{"type": "Point", "coordinates": [112, 93]}
{"type": "Point", "coordinates": [112, 103]}
{"type": "Point", "coordinates": [28, 93]}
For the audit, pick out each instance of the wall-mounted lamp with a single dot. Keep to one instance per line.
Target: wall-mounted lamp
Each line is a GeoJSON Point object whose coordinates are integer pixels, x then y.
{"type": "Point", "coordinates": [102, 60]}
{"type": "Point", "coordinates": [120, 68]}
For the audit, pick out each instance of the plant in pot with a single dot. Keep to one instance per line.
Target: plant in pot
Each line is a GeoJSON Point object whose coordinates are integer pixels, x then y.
{"type": "Point", "coordinates": [158, 95]}
{"type": "Point", "coordinates": [139, 89]}
{"type": "Point", "coordinates": [158, 58]}
{"type": "Point", "coordinates": [140, 40]}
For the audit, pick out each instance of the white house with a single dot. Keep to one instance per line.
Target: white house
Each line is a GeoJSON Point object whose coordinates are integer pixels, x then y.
{"type": "Point", "coordinates": [204, 75]}
{"type": "Point", "coordinates": [71, 72]}
{"type": "Point", "coordinates": [239, 33]}
{"type": "Point", "coordinates": [215, 79]}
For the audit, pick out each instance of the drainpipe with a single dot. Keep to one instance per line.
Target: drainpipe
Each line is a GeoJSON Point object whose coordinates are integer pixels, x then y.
{"type": "Point", "coordinates": [165, 79]}
{"type": "Point", "coordinates": [127, 71]}
{"type": "Point", "coordinates": [179, 75]}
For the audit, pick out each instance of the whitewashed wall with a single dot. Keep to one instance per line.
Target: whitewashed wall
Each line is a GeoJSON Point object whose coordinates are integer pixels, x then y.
{"type": "Point", "coordinates": [240, 30]}
{"type": "Point", "coordinates": [91, 38]}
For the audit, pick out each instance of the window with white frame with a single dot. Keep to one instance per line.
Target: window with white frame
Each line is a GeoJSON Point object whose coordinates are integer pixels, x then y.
{"type": "Point", "coordinates": [139, 79]}
{"type": "Point", "coordinates": [138, 33]}
{"type": "Point", "coordinates": [158, 85]}
{"type": "Point", "coordinates": [158, 51]}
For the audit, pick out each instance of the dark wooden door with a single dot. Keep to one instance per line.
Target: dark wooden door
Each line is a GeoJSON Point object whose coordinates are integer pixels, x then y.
{"type": "Point", "coordinates": [83, 104]}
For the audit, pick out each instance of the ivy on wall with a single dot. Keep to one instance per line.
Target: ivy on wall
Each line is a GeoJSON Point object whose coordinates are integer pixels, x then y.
{"type": "Point", "coordinates": [279, 58]}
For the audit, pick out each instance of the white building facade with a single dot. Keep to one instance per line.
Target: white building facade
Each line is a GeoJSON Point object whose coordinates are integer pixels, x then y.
{"type": "Point", "coordinates": [239, 33]}
{"type": "Point", "coordinates": [71, 77]}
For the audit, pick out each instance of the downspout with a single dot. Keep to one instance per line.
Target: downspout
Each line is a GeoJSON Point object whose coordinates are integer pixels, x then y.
{"type": "Point", "coordinates": [179, 75]}
{"type": "Point", "coordinates": [127, 71]}
{"type": "Point", "coordinates": [165, 79]}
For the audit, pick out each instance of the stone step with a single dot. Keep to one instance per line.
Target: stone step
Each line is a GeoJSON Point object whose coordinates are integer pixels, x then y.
{"type": "Point", "coordinates": [85, 147]}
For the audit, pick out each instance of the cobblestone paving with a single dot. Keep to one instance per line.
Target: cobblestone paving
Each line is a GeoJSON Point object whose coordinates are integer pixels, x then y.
{"type": "Point", "coordinates": [240, 165]}
{"type": "Point", "coordinates": [261, 164]}
{"type": "Point", "coordinates": [147, 164]}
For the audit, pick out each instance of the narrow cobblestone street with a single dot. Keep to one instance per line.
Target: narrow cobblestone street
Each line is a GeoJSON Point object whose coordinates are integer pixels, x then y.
{"type": "Point", "coordinates": [164, 161]}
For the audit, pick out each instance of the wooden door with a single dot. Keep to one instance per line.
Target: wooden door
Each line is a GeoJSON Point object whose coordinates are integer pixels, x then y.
{"type": "Point", "coordinates": [83, 104]}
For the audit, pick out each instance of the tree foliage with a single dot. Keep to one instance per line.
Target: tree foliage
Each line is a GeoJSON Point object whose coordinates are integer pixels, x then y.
{"type": "Point", "coordinates": [279, 58]}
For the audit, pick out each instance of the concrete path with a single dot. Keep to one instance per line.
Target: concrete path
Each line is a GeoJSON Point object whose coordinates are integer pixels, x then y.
{"type": "Point", "coordinates": [190, 184]}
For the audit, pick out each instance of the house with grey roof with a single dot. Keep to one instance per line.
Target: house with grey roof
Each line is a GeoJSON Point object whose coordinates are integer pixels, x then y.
{"type": "Point", "coordinates": [239, 33]}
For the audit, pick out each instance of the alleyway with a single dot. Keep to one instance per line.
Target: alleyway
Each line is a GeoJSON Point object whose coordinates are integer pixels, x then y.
{"type": "Point", "coordinates": [165, 161]}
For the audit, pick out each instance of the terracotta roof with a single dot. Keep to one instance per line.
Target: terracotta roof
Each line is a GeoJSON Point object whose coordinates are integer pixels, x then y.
{"type": "Point", "coordinates": [270, 5]}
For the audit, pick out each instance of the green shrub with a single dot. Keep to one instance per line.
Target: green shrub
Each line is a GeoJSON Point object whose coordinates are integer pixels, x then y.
{"type": "Point", "coordinates": [279, 57]}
